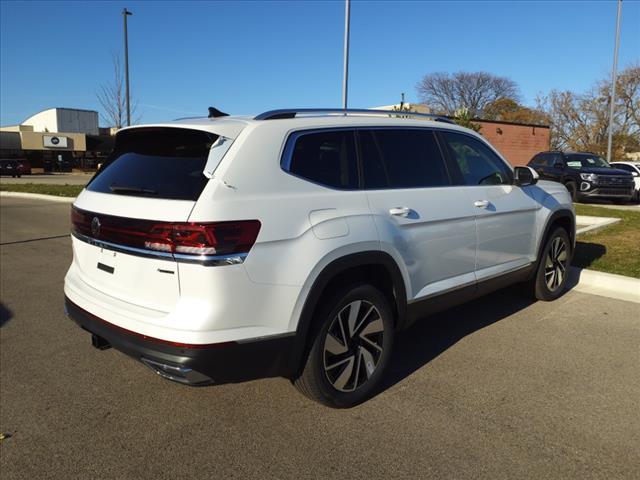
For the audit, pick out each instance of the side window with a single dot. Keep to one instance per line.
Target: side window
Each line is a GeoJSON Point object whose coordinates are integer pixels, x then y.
{"type": "Point", "coordinates": [555, 158]}
{"type": "Point", "coordinates": [478, 164]}
{"type": "Point", "coordinates": [546, 159]}
{"type": "Point", "coordinates": [395, 158]}
{"type": "Point", "coordinates": [537, 159]}
{"type": "Point", "coordinates": [549, 159]}
{"type": "Point", "coordinates": [327, 158]}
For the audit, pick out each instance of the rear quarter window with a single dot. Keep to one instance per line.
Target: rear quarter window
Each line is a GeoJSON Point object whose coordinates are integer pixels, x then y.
{"type": "Point", "coordinates": [326, 157]}
{"type": "Point", "coordinates": [156, 162]}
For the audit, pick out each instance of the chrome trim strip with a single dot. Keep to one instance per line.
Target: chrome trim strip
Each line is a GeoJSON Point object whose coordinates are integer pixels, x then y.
{"type": "Point", "coordinates": [177, 373]}
{"type": "Point", "coordinates": [206, 260]}
{"type": "Point", "coordinates": [293, 136]}
{"type": "Point", "coordinates": [211, 260]}
{"type": "Point", "coordinates": [468, 284]}
{"type": "Point", "coordinates": [442, 292]}
{"type": "Point", "coordinates": [506, 272]}
{"type": "Point", "coordinates": [122, 248]}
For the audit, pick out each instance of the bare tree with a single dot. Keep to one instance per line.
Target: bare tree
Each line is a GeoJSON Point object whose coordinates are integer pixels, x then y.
{"type": "Point", "coordinates": [112, 98]}
{"type": "Point", "coordinates": [447, 93]}
{"type": "Point", "coordinates": [581, 121]}
{"type": "Point", "coordinates": [628, 100]}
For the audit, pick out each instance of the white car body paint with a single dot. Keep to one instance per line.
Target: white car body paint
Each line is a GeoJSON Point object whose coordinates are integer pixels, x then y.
{"type": "Point", "coordinates": [444, 242]}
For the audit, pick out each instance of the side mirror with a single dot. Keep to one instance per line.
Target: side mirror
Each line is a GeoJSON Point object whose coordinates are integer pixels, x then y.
{"type": "Point", "coordinates": [524, 176]}
{"type": "Point", "coordinates": [558, 165]}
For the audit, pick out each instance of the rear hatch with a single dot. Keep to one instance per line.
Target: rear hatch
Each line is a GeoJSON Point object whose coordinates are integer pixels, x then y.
{"type": "Point", "coordinates": [128, 222]}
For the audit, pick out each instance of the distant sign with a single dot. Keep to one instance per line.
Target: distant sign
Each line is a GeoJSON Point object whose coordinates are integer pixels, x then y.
{"type": "Point", "coordinates": [54, 142]}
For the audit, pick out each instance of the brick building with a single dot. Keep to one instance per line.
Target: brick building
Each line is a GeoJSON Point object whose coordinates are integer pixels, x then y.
{"type": "Point", "coordinates": [517, 142]}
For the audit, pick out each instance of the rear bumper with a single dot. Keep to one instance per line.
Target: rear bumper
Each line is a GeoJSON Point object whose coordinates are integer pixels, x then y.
{"type": "Point", "coordinates": [227, 362]}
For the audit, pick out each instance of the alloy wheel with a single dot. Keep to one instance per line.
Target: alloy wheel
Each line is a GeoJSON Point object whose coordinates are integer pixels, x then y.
{"type": "Point", "coordinates": [556, 264]}
{"type": "Point", "coordinates": [353, 345]}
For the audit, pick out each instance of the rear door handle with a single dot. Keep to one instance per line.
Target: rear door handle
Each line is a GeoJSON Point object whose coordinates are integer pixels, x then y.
{"type": "Point", "coordinates": [400, 211]}
{"type": "Point", "coordinates": [481, 203]}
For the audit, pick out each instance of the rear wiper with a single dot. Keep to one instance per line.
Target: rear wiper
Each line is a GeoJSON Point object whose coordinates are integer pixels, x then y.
{"type": "Point", "coordinates": [126, 189]}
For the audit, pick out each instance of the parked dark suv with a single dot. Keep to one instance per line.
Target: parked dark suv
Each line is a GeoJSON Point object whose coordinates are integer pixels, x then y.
{"type": "Point", "coordinates": [10, 167]}
{"type": "Point", "coordinates": [586, 175]}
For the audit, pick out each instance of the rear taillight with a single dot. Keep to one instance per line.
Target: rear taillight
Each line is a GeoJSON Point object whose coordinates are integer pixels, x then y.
{"type": "Point", "coordinates": [180, 238]}
{"type": "Point", "coordinates": [220, 238]}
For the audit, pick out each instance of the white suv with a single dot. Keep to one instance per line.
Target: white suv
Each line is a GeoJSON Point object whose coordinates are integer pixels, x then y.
{"type": "Point", "coordinates": [296, 243]}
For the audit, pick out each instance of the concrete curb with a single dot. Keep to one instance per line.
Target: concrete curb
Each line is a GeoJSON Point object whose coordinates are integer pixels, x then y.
{"type": "Point", "coordinates": [605, 284]}
{"type": "Point", "coordinates": [585, 223]}
{"type": "Point", "coordinates": [37, 196]}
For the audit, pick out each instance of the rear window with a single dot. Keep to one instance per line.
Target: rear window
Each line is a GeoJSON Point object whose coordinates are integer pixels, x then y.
{"type": "Point", "coordinates": [157, 163]}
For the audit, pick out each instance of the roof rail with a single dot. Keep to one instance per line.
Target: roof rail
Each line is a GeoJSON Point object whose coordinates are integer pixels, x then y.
{"type": "Point", "coordinates": [292, 112]}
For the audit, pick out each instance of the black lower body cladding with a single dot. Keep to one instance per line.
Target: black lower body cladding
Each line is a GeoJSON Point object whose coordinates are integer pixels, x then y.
{"type": "Point", "coordinates": [195, 365]}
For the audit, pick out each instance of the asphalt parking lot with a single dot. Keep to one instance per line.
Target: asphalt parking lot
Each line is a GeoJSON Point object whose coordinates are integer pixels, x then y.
{"type": "Point", "coordinates": [501, 388]}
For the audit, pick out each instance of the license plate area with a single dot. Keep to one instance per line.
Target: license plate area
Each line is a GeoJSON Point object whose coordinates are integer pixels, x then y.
{"type": "Point", "coordinates": [106, 268]}
{"type": "Point", "coordinates": [134, 279]}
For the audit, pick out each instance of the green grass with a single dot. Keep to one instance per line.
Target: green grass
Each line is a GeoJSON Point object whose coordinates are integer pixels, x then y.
{"type": "Point", "coordinates": [614, 249]}
{"type": "Point", "coordinates": [57, 190]}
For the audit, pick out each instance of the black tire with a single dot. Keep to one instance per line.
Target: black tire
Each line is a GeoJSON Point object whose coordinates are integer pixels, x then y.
{"type": "Point", "coordinates": [548, 269]}
{"type": "Point", "coordinates": [573, 190]}
{"type": "Point", "coordinates": [325, 370]}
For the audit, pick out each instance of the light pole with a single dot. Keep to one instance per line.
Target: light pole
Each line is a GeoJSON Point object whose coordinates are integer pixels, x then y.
{"type": "Point", "coordinates": [613, 80]}
{"type": "Point", "coordinates": [345, 78]}
{"type": "Point", "coordinates": [125, 14]}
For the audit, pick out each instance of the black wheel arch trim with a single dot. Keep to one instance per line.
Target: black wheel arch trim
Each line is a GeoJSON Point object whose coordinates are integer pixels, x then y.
{"type": "Point", "coordinates": [331, 271]}
{"type": "Point", "coordinates": [555, 216]}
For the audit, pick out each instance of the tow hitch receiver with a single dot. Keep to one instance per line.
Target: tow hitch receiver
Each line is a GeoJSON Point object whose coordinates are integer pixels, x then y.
{"type": "Point", "coordinates": [99, 342]}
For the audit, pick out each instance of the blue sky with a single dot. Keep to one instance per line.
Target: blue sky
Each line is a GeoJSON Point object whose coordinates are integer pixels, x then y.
{"type": "Point", "coordinates": [246, 57]}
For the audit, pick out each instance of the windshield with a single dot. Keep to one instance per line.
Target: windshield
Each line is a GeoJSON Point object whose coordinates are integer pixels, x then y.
{"type": "Point", "coordinates": [156, 162]}
{"type": "Point", "coordinates": [585, 161]}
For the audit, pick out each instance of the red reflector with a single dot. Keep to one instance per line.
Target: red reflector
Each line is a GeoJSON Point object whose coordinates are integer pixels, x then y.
{"type": "Point", "coordinates": [184, 238]}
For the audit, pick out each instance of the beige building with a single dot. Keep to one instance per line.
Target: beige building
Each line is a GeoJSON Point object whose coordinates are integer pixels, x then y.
{"type": "Point", "coordinates": [56, 139]}
{"type": "Point", "coordinates": [45, 140]}
{"type": "Point", "coordinates": [409, 107]}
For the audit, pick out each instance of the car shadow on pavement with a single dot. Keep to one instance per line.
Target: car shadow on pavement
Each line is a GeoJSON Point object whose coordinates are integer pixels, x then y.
{"type": "Point", "coordinates": [432, 335]}
{"type": "Point", "coordinates": [5, 315]}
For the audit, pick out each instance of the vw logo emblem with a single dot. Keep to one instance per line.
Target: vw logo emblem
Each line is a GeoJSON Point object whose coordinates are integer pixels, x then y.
{"type": "Point", "coordinates": [95, 226]}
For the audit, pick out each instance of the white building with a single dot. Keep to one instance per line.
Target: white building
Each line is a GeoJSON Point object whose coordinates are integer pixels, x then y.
{"type": "Point", "coordinates": [69, 120]}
